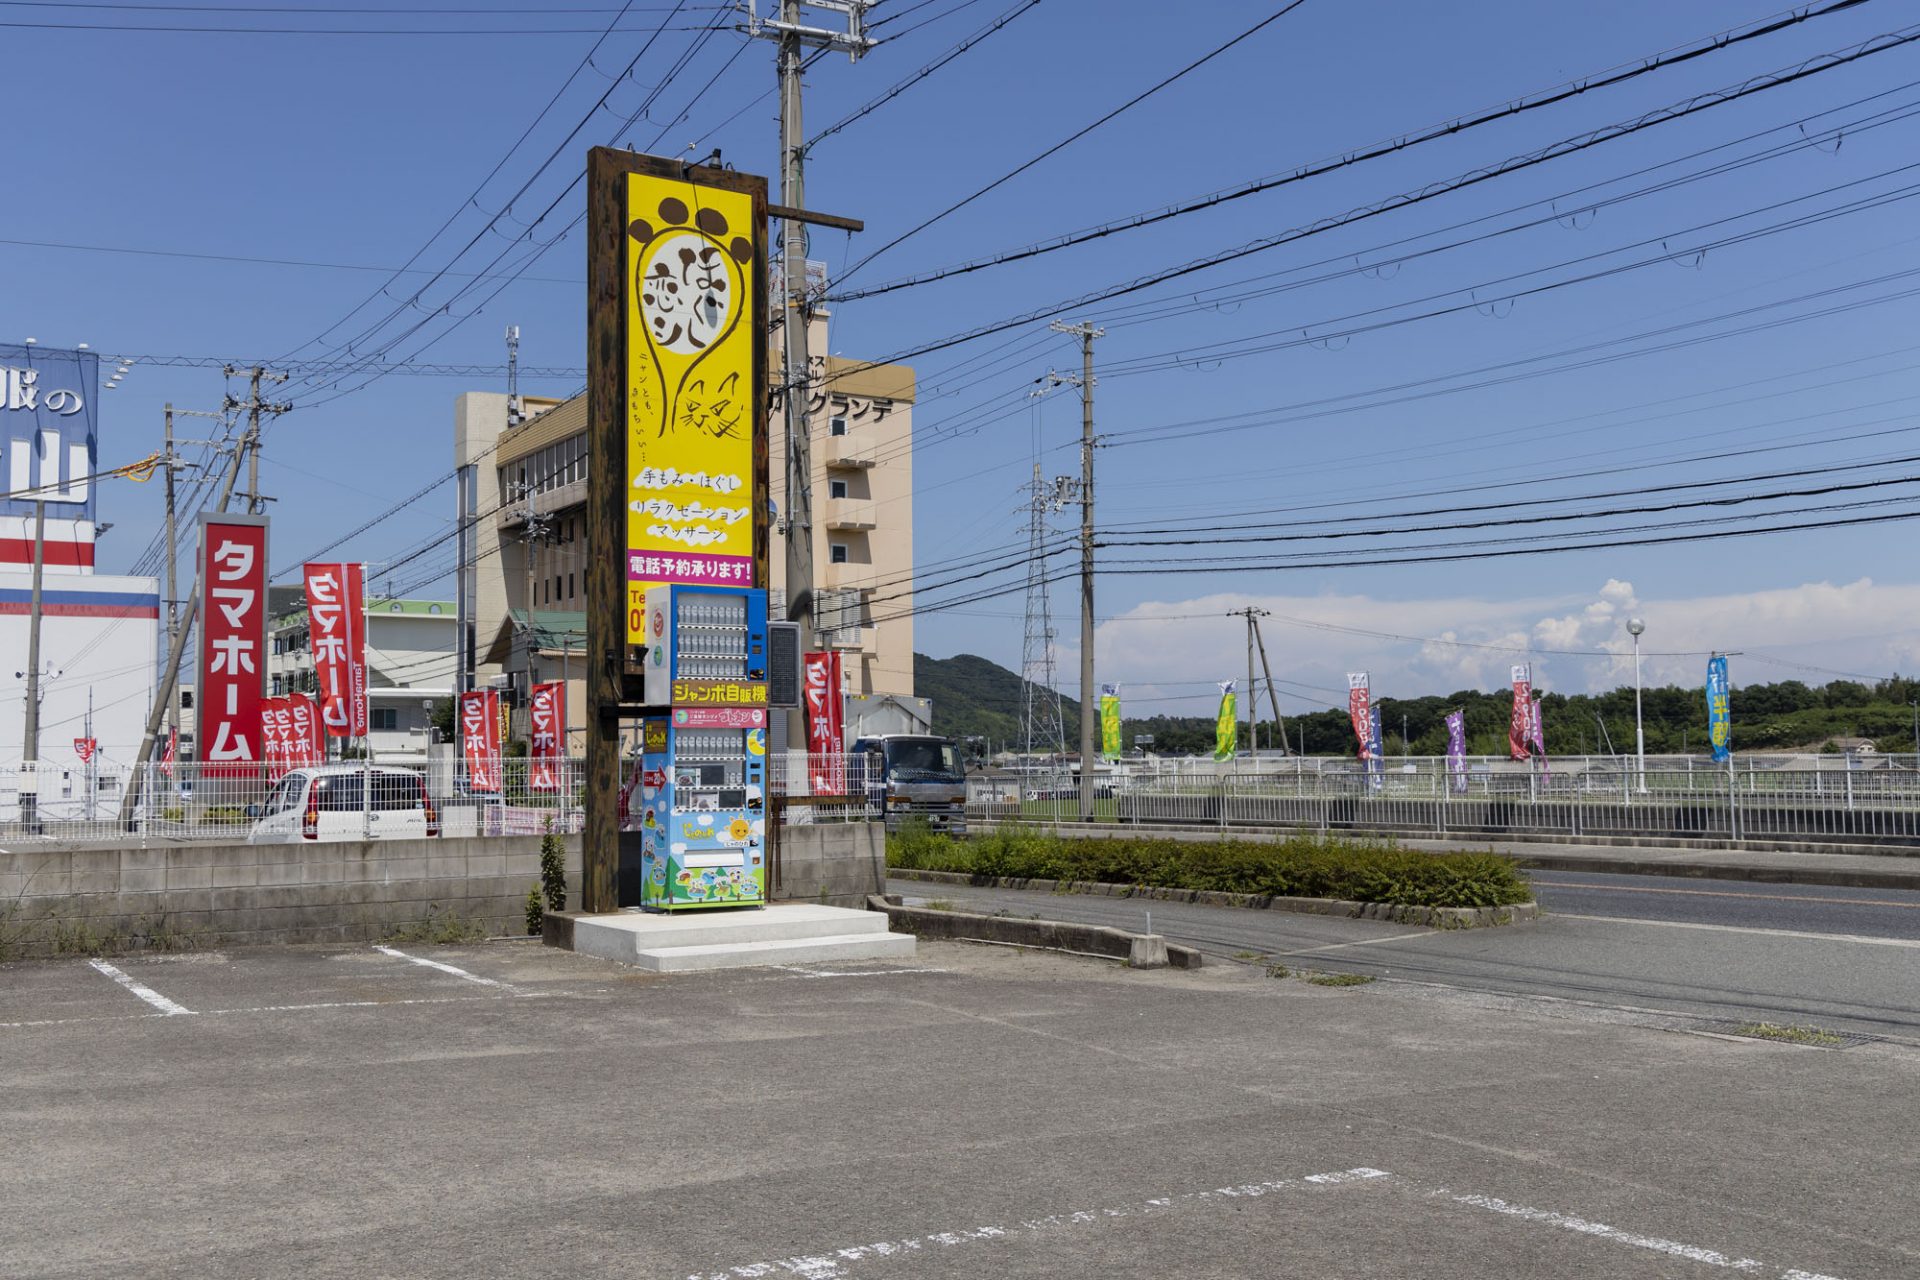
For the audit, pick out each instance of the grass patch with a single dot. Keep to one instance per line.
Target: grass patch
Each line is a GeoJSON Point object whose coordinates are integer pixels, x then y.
{"type": "Point", "coordinates": [939, 904]}
{"type": "Point", "coordinates": [1790, 1035]}
{"type": "Point", "coordinates": [441, 926]}
{"type": "Point", "coordinates": [1337, 979]}
{"type": "Point", "coordinates": [1300, 866]}
{"type": "Point", "coordinates": [1278, 971]}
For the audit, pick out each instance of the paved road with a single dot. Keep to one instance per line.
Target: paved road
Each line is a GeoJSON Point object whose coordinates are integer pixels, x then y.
{"type": "Point", "coordinates": [324, 1113]}
{"type": "Point", "coordinates": [1843, 959]}
{"type": "Point", "coordinates": [1875, 913]}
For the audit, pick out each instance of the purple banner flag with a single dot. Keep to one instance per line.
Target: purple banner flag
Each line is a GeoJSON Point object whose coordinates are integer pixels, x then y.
{"type": "Point", "coordinates": [1457, 752]}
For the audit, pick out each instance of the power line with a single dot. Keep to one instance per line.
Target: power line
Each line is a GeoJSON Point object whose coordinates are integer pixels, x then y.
{"type": "Point", "coordinates": [414, 299]}
{"type": "Point", "coordinates": [154, 29]}
{"type": "Point", "coordinates": [1505, 111]}
{"type": "Point", "coordinates": [1700, 102]}
{"type": "Point", "coordinates": [1078, 134]}
{"type": "Point", "coordinates": [861, 112]}
{"type": "Point", "coordinates": [445, 308]}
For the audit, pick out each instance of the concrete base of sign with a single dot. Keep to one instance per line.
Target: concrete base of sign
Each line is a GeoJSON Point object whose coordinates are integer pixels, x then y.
{"type": "Point", "coordinates": [784, 933]}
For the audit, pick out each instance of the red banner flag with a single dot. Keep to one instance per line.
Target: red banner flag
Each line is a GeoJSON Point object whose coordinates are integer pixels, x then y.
{"type": "Point", "coordinates": [480, 738]}
{"type": "Point", "coordinates": [306, 744]}
{"type": "Point", "coordinates": [826, 725]}
{"type": "Point", "coordinates": [1360, 709]}
{"type": "Point", "coordinates": [1520, 725]}
{"type": "Point", "coordinates": [173, 750]}
{"type": "Point", "coordinates": [548, 712]}
{"type": "Point", "coordinates": [84, 748]}
{"type": "Point", "coordinates": [232, 671]}
{"type": "Point", "coordinates": [273, 738]}
{"type": "Point", "coordinates": [337, 618]}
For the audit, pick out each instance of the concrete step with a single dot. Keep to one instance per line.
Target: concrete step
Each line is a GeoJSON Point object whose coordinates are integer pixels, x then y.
{"type": "Point", "coordinates": [743, 955]}
{"type": "Point", "coordinates": [621, 935]}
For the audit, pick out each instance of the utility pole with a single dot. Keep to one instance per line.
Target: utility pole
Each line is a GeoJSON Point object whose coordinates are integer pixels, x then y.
{"type": "Point", "coordinates": [173, 586]}
{"type": "Point", "coordinates": [794, 37]}
{"type": "Point", "coordinates": [1086, 333]}
{"type": "Point", "coordinates": [30, 740]}
{"type": "Point", "coordinates": [1252, 615]}
{"type": "Point", "coordinates": [250, 442]}
{"type": "Point", "coordinates": [1273, 693]}
{"type": "Point", "coordinates": [169, 682]}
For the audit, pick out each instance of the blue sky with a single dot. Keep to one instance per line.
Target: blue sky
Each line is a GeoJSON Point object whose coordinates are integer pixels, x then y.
{"type": "Point", "coordinates": [354, 149]}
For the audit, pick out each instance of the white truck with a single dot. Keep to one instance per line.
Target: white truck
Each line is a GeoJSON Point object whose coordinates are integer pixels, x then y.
{"type": "Point", "coordinates": [914, 776]}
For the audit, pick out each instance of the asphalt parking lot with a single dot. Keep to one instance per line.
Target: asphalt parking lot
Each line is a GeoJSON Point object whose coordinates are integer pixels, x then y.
{"type": "Point", "coordinates": [502, 1109]}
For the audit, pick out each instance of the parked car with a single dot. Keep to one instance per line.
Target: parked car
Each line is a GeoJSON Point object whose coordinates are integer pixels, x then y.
{"type": "Point", "coordinates": [329, 802]}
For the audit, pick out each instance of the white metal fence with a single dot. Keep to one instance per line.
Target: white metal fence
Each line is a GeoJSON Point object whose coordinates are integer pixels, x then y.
{"type": "Point", "coordinates": [190, 802]}
{"type": "Point", "coordinates": [1833, 799]}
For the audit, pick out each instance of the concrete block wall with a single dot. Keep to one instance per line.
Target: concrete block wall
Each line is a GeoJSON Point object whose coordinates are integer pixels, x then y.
{"type": "Point", "coordinates": [232, 895]}
{"type": "Point", "coordinates": [835, 863]}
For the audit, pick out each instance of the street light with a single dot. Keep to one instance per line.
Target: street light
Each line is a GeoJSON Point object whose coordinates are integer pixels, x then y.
{"type": "Point", "coordinates": [1634, 627]}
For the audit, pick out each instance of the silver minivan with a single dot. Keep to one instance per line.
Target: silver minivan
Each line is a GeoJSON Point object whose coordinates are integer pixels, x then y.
{"type": "Point", "coordinates": [330, 802]}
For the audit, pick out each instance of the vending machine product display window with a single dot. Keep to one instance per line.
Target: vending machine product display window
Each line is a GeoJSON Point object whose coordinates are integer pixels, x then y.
{"type": "Point", "coordinates": [703, 775]}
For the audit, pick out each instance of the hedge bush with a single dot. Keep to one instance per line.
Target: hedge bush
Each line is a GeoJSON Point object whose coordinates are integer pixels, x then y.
{"type": "Point", "coordinates": [1300, 866]}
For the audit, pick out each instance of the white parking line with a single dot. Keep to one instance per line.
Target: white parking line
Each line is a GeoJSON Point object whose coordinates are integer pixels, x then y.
{"type": "Point", "coordinates": [1601, 1231]}
{"type": "Point", "coordinates": [1364, 942]}
{"type": "Point", "coordinates": [828, 1265]}
{"type": "Point", "coordinates": [146, 993]}
{"type": "Point", "coordinates": [444, 968]}
{"type": "Point", "coordinates": [846, 973]}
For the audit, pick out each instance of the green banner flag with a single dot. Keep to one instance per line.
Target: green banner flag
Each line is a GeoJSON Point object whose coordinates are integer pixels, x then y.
{"type": "Point", "coordinates": [1226, 736]}
{"type": "Point", "coordinates": [1110, 721]}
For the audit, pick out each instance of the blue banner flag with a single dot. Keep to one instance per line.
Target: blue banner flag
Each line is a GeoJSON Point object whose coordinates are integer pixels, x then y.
{"type": "Point", "coordinates": [1719, 708]}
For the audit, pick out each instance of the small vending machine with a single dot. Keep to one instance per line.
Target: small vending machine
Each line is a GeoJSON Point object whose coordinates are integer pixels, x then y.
{"type": "Point", "coordinates": [703, 767]}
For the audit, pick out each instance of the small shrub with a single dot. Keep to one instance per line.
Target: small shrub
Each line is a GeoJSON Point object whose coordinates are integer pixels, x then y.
{"type": "Point", "coordinates": [441, 925]}
{"type": "Point", "coordinates": [553, 870]}
{"type": "Point", "coordinates": [1789, 1035]}
{"type": "Point", "coordinates": [1338, 979]}
{"type": "Point", "coordinates": [536, 914]}
{"type": "Point", "coordinates": [78, 938]}
{"type": "Point", "coordinates": [1277, 971]}
{"type": "Point", "coordinates": [1298, 866]}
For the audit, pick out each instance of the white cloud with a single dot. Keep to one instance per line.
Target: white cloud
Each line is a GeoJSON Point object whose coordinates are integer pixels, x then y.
{"type": "Point", "coordinates": [1855, 627]}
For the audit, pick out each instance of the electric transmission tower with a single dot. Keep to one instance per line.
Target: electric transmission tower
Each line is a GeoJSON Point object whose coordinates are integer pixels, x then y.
{"type": "Point", "coordinates": [1041, 722]}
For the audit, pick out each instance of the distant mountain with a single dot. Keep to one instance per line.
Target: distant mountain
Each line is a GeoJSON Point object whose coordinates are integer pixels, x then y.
{"type": "Point", "coordinates": [973, 697]}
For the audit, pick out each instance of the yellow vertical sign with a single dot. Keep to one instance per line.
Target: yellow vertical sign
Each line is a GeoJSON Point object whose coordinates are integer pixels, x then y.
{"type": "Point", "coordinates": [692, 323]}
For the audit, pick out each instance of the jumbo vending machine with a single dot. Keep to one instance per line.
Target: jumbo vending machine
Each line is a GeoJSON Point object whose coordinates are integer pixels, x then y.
{"type": "Point", "coordinates": [704, 758]}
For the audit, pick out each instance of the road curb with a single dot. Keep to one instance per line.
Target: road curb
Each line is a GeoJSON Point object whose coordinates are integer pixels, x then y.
{"type": "Point", "coordinates": [1828, 877]}
{"type": "Point", "coordinates": [1138, 950]}
{"type": "Point", "coordinates": [1398, 913]}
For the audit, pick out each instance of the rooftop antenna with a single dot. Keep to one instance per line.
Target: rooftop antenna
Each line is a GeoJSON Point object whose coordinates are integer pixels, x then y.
{"type": "Point", "coordinates": [514, 415]}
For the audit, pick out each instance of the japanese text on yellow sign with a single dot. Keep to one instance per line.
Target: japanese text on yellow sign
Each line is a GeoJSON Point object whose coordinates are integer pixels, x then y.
{"type": "Point", "coordinates": [718, 693]}
{"type": "Point", "coordinates": [691, 327]}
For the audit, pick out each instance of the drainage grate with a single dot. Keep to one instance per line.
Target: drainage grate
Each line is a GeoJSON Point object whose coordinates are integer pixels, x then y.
{"type": "Point", "coordinates": [1783, 1032]}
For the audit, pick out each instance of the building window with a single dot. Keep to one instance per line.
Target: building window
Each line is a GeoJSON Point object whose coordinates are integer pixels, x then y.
{"type": "Point", "coordinates": [836, 426]}
{"type": "Point", "coordinates": [837, 552]}
{"type": "Point", "coordinates": [385, 719]}
{"type": "Point", "coordinates": [836, 488]}
{"type": "Point", "coordinates": [569, 586]}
